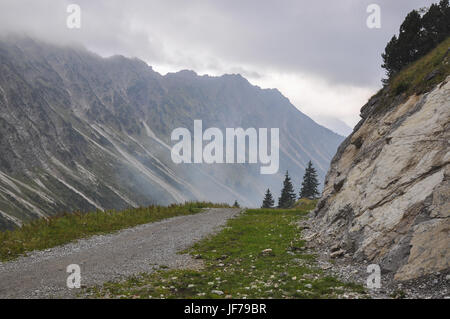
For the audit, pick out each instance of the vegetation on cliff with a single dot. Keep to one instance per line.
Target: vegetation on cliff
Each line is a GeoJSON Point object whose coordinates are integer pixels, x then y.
{"type": "Point", "coordinates": [420, 32]}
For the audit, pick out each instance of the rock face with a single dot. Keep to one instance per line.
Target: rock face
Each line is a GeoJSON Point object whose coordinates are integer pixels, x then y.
{"type": "Point", "coordinates": [386, 198]}
{"type": "Point", "coordinates": [82, 132]}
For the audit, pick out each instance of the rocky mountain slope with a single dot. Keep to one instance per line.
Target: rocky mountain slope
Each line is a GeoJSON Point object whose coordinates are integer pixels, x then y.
{"type": "Point", "coordinates": [386, 198]}
{"type": "Point", "coordinates": [82, 132]}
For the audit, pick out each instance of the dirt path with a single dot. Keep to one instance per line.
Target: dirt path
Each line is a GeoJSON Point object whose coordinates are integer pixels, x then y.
{"type": "Point", "coordinates": [106, 257]}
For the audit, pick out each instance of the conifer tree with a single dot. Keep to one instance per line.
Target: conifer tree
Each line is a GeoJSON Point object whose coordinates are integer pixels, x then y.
{"type": "Point", "coordinates": [310, 183]}
{"type": "Point", "coordinates": [236, 204]}
{"type": "Point", "coordinates": [420, 32]}
{"type": "Point", "coordinates": [287, 198]}
{"type": "Point", "coordinates": [268, 201]}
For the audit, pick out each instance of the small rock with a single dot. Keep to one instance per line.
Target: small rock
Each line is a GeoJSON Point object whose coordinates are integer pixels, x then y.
{"type": "Point", "coordinates": [217, 292]}
{"type": "Point", "coordinates": [228, 296]}
{"type": "Point", "coordinates": [310, 237]}
{"type": "Point", "coordinates": [447, 277]}
{"type": "Point", "coordinates": [432, 75]}
{"type": "Point", "coordinates": [191, 286]}
{"type": "Point", "coordinates": [338, 185]}
{"type": "Point", "coordinates": [267, 252]}
{"type": "Point", "coordinates": [309, 286]}
{"type": "Point", "coordinates": [334, 248]}
{"type": "Point", "coordinates": [337, 254]}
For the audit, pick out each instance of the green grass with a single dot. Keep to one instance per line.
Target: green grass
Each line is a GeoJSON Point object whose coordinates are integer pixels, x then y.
{"type": "Point", "coordinates": [42, 234]}
{"type": "Point", "coordinates": [306, 204]}
{"type": "Point", "coordinates": [234, 263]}
{"type": "Point", "coordinates": [413, 79]}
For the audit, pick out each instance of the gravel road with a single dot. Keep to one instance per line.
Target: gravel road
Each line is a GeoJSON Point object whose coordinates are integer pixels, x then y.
{"type": "Point", "coordinates": [42, 274]}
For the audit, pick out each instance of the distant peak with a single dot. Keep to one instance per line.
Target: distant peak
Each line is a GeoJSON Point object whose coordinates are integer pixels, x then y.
{"type": "Point", "coordinates": [184, 73]}
{"type": "Point", "coordinates": [234, 76]}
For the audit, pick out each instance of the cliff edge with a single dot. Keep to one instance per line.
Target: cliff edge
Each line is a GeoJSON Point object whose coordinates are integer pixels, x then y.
{"type": "Point", "coordinates": [386, 195]}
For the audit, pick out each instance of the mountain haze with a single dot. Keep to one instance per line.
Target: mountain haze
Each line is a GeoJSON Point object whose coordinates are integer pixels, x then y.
{"type": "Point", "coordinates": [82, 132]}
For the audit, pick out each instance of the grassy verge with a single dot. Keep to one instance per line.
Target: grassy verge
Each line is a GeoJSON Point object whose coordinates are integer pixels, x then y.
{"type": "Point", "coordinates": [259, 254]}
{"type": "Point", "coordinates": [43, 234]}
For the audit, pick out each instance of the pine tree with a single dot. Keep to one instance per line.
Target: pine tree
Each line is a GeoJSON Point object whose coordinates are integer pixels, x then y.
{"type": "Point", "coordinates": [310, 183]}
{"type": "Point", "coordinates": [236, 204]}
{"type": "Point", "coordinates": [268, 201]}
{"type": "Point", "coordinates": [287, 198]}
{"type": "Point", "coordinates": [420, 32]}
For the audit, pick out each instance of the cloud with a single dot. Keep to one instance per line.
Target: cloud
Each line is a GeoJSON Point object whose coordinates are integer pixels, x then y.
{"type": "Point", "coordinates": [317, 97]}
{"type": "Point", "coordinates": [321, 53]}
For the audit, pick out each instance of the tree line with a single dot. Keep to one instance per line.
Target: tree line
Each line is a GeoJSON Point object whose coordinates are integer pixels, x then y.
{"type": "Point", "coordinates": [421, 31]}
{"type": "Point", "coordinates": [288, 196]}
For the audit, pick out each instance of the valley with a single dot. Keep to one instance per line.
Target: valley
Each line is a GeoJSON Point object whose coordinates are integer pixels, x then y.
{"type": "Point", "coordinates": [82, 132]}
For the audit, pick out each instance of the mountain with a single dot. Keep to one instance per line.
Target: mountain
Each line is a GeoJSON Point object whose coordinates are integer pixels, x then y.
{"type": "Point", "coordinates": [82, 132]}
{"type": "Point", "coordinates": [387, 194]}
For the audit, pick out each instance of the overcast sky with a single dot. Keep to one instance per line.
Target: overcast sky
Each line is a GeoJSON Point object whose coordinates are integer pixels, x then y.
{"type": "Point", "coordinates": [320, 54]}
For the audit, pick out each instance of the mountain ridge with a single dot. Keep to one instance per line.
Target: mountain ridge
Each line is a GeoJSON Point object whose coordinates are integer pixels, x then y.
{"type": "Point", "coordinates": [82, 132]}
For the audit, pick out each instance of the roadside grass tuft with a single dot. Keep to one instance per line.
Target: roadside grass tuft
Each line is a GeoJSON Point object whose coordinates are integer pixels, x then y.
{"type": "Point", "coordinates": [259, 254]}
{"type": "Point", "coordinates": [42, 234]}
